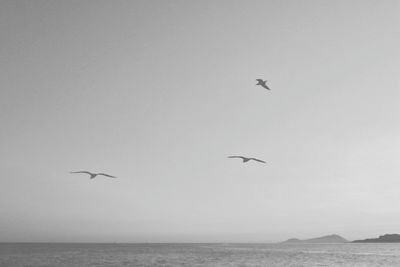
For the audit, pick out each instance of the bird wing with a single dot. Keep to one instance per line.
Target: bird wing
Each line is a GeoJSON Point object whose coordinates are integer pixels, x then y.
{"type": "Point", "coordinates": [259, 160]}
{"type": "Point", "coordinates": [265, 86]}
{"type": "Point", "coordinates": [104, 174]}
{"type": "Point", "coordinates": [236, 157]}
{"type": "Point", "coordinates": [83, 172]}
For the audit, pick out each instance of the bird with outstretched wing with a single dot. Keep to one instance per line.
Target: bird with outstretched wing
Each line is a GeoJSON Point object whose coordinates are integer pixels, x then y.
{"type": "Point", "coordinates": [245, 159]}
{"type": "Point", "coordinates": [262, 83]}
{"type": "Point", "coordinates": [93, 175]}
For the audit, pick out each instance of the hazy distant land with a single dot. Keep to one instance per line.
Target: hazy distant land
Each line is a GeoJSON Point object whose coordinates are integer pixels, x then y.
{"type": "Point", "coordinates": [322, 239]}
{"type": "Point", "coordinates": [387, 238]}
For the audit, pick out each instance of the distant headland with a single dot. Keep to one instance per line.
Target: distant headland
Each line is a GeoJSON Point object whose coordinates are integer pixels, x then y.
{"type": "Point", "coordinates": [320, 240]}
{"type": "Point", "coordinates": [388, 238]}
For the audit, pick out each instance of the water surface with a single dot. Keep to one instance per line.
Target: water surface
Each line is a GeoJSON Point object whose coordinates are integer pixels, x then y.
{"type": "Point", "coordinates": [79, 255]}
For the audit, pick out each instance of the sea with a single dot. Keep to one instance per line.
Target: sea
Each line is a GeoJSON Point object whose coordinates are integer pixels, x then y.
{"type": "Point", "coordinates": [99, 255]}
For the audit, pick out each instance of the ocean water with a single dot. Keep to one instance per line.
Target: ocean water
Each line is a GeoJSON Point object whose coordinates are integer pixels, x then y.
{"type": "Point", "coordinates": [80, 255]}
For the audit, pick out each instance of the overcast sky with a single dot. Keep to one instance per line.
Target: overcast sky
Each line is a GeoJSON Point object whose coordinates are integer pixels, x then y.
{"type": "Point", "coordinates": [159, 93]}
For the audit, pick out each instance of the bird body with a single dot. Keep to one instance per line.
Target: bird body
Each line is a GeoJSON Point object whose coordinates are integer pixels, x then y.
{"type": "Point", "coordinates": [245, 159]}
{"type": "Point", "coordinates": [93, 175]}
{"type": "Point", "coordinates": [262, 83]}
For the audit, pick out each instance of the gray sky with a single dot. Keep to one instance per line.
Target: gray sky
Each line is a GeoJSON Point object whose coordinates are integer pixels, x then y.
{"type": "Point", "coordinates": [158, 93]}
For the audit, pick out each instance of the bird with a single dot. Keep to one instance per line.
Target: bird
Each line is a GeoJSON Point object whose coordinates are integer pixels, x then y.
{"type": "Point", "coordinates": [262, 83]}
{"type": "Point", "coordinates": [93, 175]}
{"type": "Point", "coordinates": [246, 159]}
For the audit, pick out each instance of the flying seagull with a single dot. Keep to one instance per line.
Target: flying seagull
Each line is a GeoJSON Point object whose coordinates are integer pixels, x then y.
{"type": "Point", "coordinates": [262, 83]}
{"type": "Point", "coordinates": [93, 175]}
{"type": "Point", "coordinates": [246, 159]}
